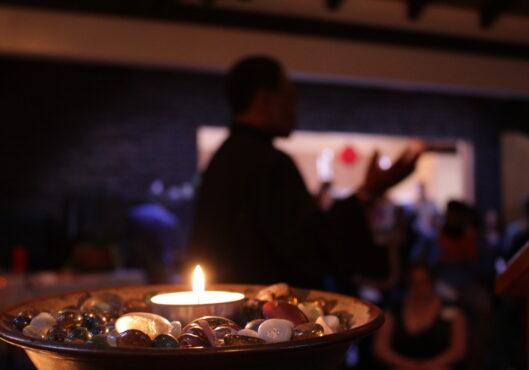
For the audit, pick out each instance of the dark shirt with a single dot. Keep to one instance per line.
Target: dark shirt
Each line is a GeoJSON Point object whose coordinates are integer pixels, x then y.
{"type": "Point", "coordinates": [426, 344]}
{"type": "Point", "coordinates": [256, 222]}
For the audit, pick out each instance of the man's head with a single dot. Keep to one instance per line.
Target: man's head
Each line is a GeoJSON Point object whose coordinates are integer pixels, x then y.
{"type": "Point", "coordinates": [260, 94]}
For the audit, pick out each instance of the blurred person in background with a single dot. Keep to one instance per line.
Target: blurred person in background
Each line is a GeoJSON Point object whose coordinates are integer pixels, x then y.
{"type": "Point", "coordinates": [457, 238]}
{"type": "Point", "coordinates": [423, 332]}
{"type": "Point", "coordinates": [426, 211]}
{"type": "Point", "coordinates": [255, 220]}
{"type": "Point", "coordinates": [519, 231]}
{"type": "Point", "coordinates": [459, 267]}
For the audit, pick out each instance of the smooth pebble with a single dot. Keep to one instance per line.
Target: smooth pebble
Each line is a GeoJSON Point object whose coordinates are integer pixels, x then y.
{"type": "Point", "coordinates": [148, 323]}
{"type": "Point", "coordinates": [275, 330]}
{"type": "Point", "coordinates": [43, 321]}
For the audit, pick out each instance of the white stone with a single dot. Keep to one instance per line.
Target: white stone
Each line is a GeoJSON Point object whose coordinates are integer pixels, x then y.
{"type": "Point", "coordinates": [330, 323]}
{"type": "Point", "coordinates": [112, 338]}
{"type": "Point", "coordinates": [176, 328]}
{"type": "Point", "coordinates": [33, 332]}
{"type": "Point", "coordinates": [273, 291]}
{"type": "Point", "coordinates": [275, 330]}
{"type": "Point", "coordinates": [311, 310]}
{"type": "Point", "coordinates": [43, 321]}
{"type": "Point", "coordinates": [149, 323]}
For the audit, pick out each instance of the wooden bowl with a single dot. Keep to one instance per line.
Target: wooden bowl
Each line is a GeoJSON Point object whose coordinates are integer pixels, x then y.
{"type": "Point", "coordinates": [323, 353]}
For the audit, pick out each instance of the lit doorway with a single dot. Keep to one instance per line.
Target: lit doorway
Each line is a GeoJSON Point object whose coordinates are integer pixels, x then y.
{"type": "Point", "coordinates": [446, 174]}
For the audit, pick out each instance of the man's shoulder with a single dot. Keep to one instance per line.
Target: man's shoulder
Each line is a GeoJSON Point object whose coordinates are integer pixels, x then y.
{"type": "Point", "coordinates": [253, 148]}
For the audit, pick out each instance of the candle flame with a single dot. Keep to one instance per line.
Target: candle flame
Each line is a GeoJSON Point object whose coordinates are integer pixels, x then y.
{"type": "Point", "coordinates": [199, 282]}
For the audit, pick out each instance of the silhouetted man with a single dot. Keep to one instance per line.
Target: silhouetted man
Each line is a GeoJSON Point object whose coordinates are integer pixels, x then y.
{"type": "Point", "coordinates": [255, 220]}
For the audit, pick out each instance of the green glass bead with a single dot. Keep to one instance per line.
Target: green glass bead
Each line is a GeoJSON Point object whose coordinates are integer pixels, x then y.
{"type": "Point", "coordinates": [79, 333]}
{"type": "Point", "coordinates": [57, 334]}
{"type": "Point", "coordinates": [164, 341]}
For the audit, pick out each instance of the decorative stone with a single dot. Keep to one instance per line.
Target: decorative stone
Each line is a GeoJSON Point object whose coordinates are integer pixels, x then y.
{"type": "Point", "coordinates": [188, 340]}
{"type": "Point", "coordinates": [176, 328]}
{"type": "Point", "coordinates": [273, 291]}
{"type": "Point", "coordinates": [110, 317]}
{"type": "Point", "coordinates": [322, 302]}
{"type": "Point", "coordinates": [194, 329]}
{"type": "Point", "coordinates": [307, 330]}
{"type": "Point", "coordinates": [43, 321]}
{"type": "Point", "coordinates": [165, 341]}
{"type": "Point", "coordinates": [208, 332]}
{"type": "Point", "coordinates": [79, 333]}
{"type": "Point", "coordinates": [34, 332]}
{"type": "Point", "coordinates": [251, 310]}
{"type": "Point", "coordinates": [214, 321]}
{"type": "Point", "coordinates": [330, 323]}
{"type": "Point", "coordinates": [248, 333]}
{"type": "Point", "coordinates": [136, 305]}
{"type": "Point", "coordinates": [290, 299]}
{"type": "Point", "coordinates": [275, 330]}
{"type": "Point", "coordinates": [31, 313]}
{"type": "Point", "coordinates": [103, 303]}
{"type": "Point", "coordinates": [21, 322]}
{"type": "Point", "coordinates": [311, 310]}
{"type": "Point", "coordinates": [92, 320]}
{"type": "Point", "coordinates": [284, 310]}
{"type": "Point", "coordinates": [83, 298]}
{"type": "Point", "coordinates": [69, 319]}
{"type": "Point", "coordinates": [254, 324]}
{"type": "Point", "coordinates": [133, 338]}
{"type": "Point", "coordinates": [148, 323]}
{"type": "Point", "coordinates": [241, 340]}
{"type": "Point", "coordinates": [68, 308]}
{"type": "Point", "coordinates": [223, 330]}
{"type": "Point", "coordinates": [346, 319]}
{"type": "Point", "coordinates": [99, 330]}
{"type": "Point", "coordinates": [112, 338]}
{"type": "Point", "coordinates": [333, 321]}
{"type": "Point", "coordinates": [57, 334]}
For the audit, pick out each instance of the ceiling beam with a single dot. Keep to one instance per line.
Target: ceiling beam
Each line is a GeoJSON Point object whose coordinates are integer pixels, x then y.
{"type": "Point", "coordinates": [415, 8]}
{"type": "Point", "coordinates": [491, 10]}
{"type": "Point", "coordinates": [333, 4]}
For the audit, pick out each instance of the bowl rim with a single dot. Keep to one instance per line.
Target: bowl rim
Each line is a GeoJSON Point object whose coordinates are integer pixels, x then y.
{"type": "Point", "coordinates": [14, 337]}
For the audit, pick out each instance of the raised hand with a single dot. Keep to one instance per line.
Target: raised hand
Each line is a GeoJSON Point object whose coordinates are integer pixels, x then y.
{"type": "Point", "coordinates": [378, 180]}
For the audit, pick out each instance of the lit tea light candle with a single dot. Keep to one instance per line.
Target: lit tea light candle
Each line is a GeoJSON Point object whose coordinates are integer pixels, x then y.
{"type": "Point", "coordinates": [187, 306]}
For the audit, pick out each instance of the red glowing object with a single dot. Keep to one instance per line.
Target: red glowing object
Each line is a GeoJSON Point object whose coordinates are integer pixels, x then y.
{"type": "Point", "coordinates": [349, 155]}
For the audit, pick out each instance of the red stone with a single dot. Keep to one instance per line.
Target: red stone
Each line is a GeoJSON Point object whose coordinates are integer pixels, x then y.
{"type": "Point", "coordinates": [284, 310]}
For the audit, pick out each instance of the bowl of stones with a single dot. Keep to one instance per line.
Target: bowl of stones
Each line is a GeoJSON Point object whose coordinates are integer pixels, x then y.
{"type": "Point", "coordinates": [279, 327]}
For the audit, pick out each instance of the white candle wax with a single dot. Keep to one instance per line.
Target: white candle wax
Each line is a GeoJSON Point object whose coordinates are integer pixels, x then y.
{"type": "Point", "coordinates": [186, 306]}
{"type": "Point", "coordinates": [191, 298]}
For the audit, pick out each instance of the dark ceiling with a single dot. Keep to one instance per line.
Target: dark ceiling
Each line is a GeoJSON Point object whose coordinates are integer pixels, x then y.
{"type": "Point", "coordinates": [489, 10]}
{"type": "Point", "coordinates": [519, 7]}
